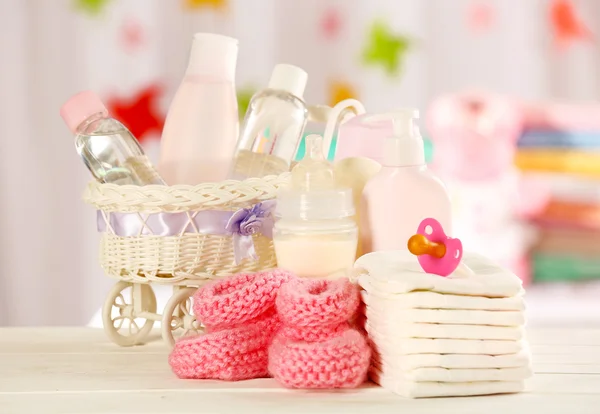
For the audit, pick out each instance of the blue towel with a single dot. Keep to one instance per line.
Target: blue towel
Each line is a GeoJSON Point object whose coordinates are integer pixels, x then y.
{"type": "Point", "coordinates": [560, 139]}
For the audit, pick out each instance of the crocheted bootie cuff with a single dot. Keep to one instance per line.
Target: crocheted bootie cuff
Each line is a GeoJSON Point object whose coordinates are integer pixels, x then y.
{"type": "Point", "coordinates": [306, 302]}
{"type": "Point", "coordinates": [239, 298]}
{"type": "Point", "coordinates": [341, 362]}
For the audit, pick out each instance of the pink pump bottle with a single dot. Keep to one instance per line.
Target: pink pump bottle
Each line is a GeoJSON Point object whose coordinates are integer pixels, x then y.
{"type": "Point", "coordinates": [404, 192]}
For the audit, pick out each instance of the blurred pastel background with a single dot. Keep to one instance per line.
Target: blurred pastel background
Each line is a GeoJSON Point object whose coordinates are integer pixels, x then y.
{"type": "Point", "coordinates": [509, 93]}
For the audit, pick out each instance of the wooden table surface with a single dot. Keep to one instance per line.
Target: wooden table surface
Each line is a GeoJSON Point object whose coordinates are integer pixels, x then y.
{"type": "Point", "coordinates": [77, 370]}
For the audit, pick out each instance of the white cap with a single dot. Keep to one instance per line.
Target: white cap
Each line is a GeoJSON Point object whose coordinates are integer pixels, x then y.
{"type": "Point", "coordinates": [288, 78]}
{"type": "Point", "coordinates": [213, 55]}
{"type": "Point", "coordinates": [405, 147]}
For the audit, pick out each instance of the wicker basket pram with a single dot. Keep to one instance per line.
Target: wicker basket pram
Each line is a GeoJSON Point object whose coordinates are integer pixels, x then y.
{"type": "Point", "coordinates": [140, 248]}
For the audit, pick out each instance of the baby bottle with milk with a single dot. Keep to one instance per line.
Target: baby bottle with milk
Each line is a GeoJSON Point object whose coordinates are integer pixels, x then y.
{"type": "Point", "coordinates": [315, 235]}
{"type": "Point", "coordinates": [404, 192]}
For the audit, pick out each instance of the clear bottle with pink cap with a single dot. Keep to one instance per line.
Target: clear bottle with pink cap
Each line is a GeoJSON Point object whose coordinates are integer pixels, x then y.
{"type": "Point", "coordinates": [108, 149]}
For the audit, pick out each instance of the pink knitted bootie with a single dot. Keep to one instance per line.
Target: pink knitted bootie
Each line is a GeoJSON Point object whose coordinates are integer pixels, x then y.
{"type": "Point", "coordinates": [229, 354]}
{"type": "Point", "coordinates": [240, 319]}
{"type": "Point", "coordinates": [316, 347]}
{"type": "Point", "coordinates": [238, 299]}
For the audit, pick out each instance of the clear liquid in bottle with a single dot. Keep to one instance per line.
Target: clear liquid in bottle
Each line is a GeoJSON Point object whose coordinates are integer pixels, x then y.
{"type": "Point", "coordinates": [108, 149]}
{"type": "Point", "coordinates": [273, 126]}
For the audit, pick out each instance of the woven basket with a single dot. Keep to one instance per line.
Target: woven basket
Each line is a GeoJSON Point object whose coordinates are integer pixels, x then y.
{"type": "Point", "coordinates": [189, 258]}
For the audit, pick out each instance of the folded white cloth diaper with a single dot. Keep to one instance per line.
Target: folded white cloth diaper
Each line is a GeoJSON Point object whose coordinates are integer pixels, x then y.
{"type": "Point", "coordinates": [390, 315]}
{"type": "Point", "coordinates": [393, 332]}
{"type": "Point", "coordinates": [412, 389]}
{"type": "Point", "coordinates": [399, 271]}
{"type": "Point", "coordinates": [411, 346]}
{"type": "Point", "coordinates": [433, 374]}
{"type": "Point", "coordinates": [401, 363]}
{"type": "Point", "coordinates": [434, 300]}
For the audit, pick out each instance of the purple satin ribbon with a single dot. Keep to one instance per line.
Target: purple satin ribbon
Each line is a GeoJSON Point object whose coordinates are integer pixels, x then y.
{"type": "Point", "coordinates": [241, 225]}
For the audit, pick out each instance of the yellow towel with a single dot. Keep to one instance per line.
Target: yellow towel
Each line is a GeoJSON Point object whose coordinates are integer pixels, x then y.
{"type": "Point", "coordinates": [559, 160]}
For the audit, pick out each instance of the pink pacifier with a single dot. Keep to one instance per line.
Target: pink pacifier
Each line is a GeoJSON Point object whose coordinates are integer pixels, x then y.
{"type": "Point", "coordinates": [437, 253]}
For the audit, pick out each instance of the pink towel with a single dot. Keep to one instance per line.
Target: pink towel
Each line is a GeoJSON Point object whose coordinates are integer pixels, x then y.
{"type": "Point", "coordinates": [476, 133]}
{"type": "Point", "coordinates": [561, 116]}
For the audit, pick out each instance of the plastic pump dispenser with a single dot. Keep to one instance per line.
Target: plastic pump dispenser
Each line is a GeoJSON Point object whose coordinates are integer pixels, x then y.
{"type": "Point", "coordinates": [404, 192]}
{"type": "Point", "coordinates": [405, 148]}
{"type": "Point", "coordinates": [315, 235]}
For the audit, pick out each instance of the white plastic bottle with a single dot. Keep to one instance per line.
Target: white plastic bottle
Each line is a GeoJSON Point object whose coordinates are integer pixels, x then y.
{"type": "Point", "coordinates": [315, 235]}
{"type": "Point", "coordinates": [107, 148]}
{"type": "Point", "coordinates": [403, 193]}
{"type": "Point", "coordinates": [273, 126]}
{"type": "Point", "coordinates": [202, 123]}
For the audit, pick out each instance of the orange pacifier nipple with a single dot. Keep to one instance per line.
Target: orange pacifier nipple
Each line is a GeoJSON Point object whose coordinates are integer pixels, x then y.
{"type": "Point", "coordinates": [419, 245]}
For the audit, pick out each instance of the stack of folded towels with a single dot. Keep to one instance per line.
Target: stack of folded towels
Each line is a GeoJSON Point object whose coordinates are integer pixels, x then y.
{"type": "Point", "coordinates": [559, 153]}
{"type": "Point", "coordinates": [436, 336]}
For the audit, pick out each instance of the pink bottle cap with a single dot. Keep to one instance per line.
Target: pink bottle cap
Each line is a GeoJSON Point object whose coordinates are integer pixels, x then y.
{"type": "Point", "coordinates": [80, 107]}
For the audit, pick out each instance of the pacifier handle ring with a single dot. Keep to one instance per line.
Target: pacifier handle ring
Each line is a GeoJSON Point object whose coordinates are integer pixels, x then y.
{"type": "Point", "coordinates": [455, 247]}
{"type": "Point", "coordinates": [335, 120]}
{"type": "Point", "coordinates": [436, 227]}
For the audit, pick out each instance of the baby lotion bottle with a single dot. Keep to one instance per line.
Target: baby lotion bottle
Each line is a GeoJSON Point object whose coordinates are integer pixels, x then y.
{"type": "Point", "coordinates": [315, 235]}
{"type": "Point", "coordinates": [273, 126]}
{"type": "Point", "coordinates": [202, 123]}
{"type": "Point", "coordinates": [404, 192]}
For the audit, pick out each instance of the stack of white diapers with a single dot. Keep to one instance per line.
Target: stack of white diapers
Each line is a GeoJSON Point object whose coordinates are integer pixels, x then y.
{"type": "Point", "coordinates": [436, 336]}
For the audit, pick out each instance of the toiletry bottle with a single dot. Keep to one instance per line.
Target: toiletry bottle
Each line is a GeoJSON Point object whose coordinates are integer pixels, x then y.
{"type": "Point", "coordinates": [107, 148]}
{"type": "Point", "coordinates": [202, 123]}
{"type": "Point", "coordinates": [404, 192]}
{"type": "Point", "coordinates": [315, 234]}
{"type": "Point", "coordinates": [273, 126]}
